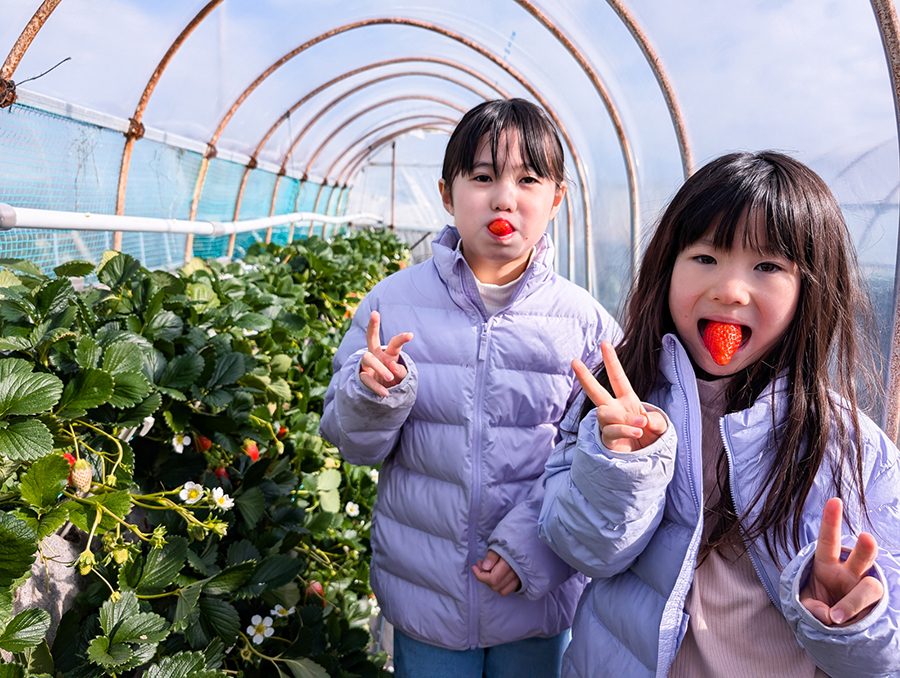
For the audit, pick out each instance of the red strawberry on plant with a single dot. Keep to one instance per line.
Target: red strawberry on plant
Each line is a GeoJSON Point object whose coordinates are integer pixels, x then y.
{"type": "Point", "coordinates": [251, 450]}
{"type": "Point", "coordinates": [203, 443]}
{"type": "Point", "coordinates": [69, 458]}
{"type": "Point", "coordinates": [282, 432]}
{"type": "Point", "coordinates": [315, 589]}
{"type": "Point", "coordinates": [82, 475]}
{"type": "Point", "coordinates": [221, 473]}
{"type": "Point", "coordinates": [722, 340]}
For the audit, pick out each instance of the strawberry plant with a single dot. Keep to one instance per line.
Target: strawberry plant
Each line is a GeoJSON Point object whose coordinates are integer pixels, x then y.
{"type": "Point", "coordinates": [171, 419]}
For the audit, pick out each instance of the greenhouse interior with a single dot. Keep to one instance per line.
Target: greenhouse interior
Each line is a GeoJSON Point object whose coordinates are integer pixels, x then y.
{"type": "Point", "coordinates": [196, 196]}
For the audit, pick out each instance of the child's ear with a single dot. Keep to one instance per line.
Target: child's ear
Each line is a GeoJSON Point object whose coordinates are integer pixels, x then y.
{"type": "Point", "coordinates": [447, 199]}
{"type": "Point", "coordinates": [557, 200]}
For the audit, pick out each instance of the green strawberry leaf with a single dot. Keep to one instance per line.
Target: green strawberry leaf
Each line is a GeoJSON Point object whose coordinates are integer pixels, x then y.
{"type": "Point", "coordinates": [25, 440]}
{"type": "Point", "coordinates": [74, 269]}
{"type": "Point", "coordinates": [122, 356]}
{"type": "Point", "coordinates": [181, 665]}
{"type": "Point", "coordinates": [43, 482]}
{"type": "Point", "coordinates": [100, 652]}
{"type": "Point", "coordinates": [117, 268]}
{"type": "Point", "coordinates": [87, 353]}
{"type": "Point", "coordinates": [88, 389]}
{"type": "Point", "coordinates": [182, 371]}
{"type": "Point", "coordinates": [162, 565]}
{"type": "Point", "coordinates": [219, 618]}
{"type": "Point", "coordinates": [25, 392]}
{"type": "Point", "coordinates": [129, 389]}
{"type": "Point", "coordinates": [26, 629]}
{"type": "Point", "coordinates": [19, 546]}
{"type": "Point", "coordinates": [305, 668]}
{"type": "Point", "coordinates": [163, 325]}
{"type": "Point", "coordinates": [229, 579]}
{"type": "Point", "coordinates": [229, 368]}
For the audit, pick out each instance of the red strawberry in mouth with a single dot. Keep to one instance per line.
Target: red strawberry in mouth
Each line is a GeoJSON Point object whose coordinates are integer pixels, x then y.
{"type": "Point", "coordinates": [722, 340]}
{"type": "Point", "coordinates": [500, 227]}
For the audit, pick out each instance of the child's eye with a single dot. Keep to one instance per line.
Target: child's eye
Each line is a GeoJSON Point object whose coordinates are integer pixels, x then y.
{"type": "Point", "coordinates": [530, 180]}
{"type": "Point", "coordinates": [768, 267]}
{"type": "Point", "coordinates": [704, 259]}
{"type": "Point", "coordinates": [482, 178]}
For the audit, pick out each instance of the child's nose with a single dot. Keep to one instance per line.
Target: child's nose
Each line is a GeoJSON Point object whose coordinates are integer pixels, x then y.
{"type": "Point", "coordinates": [504, 197]}
{"type": "Point", "coordinates": [732, 289]}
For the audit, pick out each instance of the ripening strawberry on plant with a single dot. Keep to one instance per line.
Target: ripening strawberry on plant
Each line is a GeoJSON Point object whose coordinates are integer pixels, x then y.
{"type": "Point", "coordinates": [250, 449]}
{"type": "Point", "coordinates": [203, 443]}
{"type": "Point", "coordinates": [82, 475]}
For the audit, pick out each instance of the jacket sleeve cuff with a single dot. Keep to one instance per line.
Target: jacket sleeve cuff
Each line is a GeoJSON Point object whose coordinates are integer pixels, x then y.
{"type": "Point", "coordinates": [520, 573]}
{"type": "Point", "coordinates": [795, 577]}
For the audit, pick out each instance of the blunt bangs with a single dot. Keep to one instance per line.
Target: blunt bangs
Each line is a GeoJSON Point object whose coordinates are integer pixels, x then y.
{"type": "Point", "coordinates": [539, 144]}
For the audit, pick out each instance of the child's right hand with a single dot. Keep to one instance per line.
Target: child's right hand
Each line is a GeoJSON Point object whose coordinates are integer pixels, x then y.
{"type": "Point", "coordinates": [380, 366]}
{"type": "Point", "coordinates": [625, 425]}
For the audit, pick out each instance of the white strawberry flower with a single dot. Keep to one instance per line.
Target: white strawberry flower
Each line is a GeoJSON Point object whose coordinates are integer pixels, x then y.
{"type": "Point", "coordinates": [373, 474]}
{"type": "Point", "coordinates": [260, 628]}
{"type": "Point", "coordinates": [279, 611]}
{"type": "Point", "coordinates": [222, 500]}
{"type": "Point", "coordinates": [352, 509]}
{"type": "Point", "coordinates": [191, 493]}
{"type": "Point", "coordinates": [180, 441]}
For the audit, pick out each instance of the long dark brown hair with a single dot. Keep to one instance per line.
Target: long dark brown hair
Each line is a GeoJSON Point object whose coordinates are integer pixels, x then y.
{"type": "Point", "coordinates": [823, 351]}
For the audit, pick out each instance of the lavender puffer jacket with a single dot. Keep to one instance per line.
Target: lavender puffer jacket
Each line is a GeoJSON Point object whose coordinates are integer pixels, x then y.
{"type": "Point", "coordinates": [464, 438]}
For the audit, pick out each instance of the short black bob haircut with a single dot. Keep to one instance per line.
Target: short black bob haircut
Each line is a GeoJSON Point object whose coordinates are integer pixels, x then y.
{"type": "Point", "coordinates": [539, 141]}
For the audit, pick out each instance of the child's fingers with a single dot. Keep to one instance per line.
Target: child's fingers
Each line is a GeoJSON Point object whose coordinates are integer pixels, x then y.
{"type": "Point", "coordinates": [617, 379]}
{"type": "Point", "coordinates": [862, 596]}
{"type": "Point", "coordinates": [598, 395]}
{"type": "Point", "coordinates": [369, 363]}
{"type": "Point", "coordinates": [372, 384]}
{"type": "Point", "coordinates": [828, 548]}
{"type": "Point", "coordinates": [863, 555]}
{"type": "Point", "coordinates": [373, 332]}
{"type": "Point", "coordinates": [818, 609]}
{"type": "Point", "coordinates": [396, 343]}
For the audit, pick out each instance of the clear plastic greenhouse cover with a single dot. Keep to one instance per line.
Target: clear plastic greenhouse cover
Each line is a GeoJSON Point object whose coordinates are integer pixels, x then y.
{"type": "Point", "coordinates": [363, 93]}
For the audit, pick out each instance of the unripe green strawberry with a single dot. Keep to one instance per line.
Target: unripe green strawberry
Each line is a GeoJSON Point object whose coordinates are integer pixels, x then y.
{"type": "Point", "coordinates": [722, 340]}
{"type": "Point", "coordinates": [82, 475]}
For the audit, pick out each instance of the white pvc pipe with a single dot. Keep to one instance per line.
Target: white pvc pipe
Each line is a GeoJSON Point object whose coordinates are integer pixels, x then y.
{"type": "Point", "coordinates": [23, 217]}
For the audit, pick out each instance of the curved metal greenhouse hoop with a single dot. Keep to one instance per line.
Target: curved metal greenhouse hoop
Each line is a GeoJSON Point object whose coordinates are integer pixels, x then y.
{"type": "Point", "coordinates": [344, 125]}
{"type": "Point", "coordinates": [388, 62]}
{"type": "Point", "coordinates": [889, 26]}
{"type": "Point", "coordinates": [201, 175]}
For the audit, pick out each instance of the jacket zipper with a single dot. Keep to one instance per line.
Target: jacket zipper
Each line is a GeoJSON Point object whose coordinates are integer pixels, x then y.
{"type": "Point", "coordinates": [760, 573]}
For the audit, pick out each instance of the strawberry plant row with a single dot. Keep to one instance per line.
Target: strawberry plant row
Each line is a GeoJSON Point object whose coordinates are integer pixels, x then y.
{"type": "Point", "coordinates": [168, 421]}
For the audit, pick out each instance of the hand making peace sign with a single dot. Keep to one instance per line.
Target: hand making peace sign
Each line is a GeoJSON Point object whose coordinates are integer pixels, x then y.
{"type": "Point", "coordinates": [380, 366]}
{"type": "Point", "coordinates": [840, 592]}
{"type": "Point", "coordinates": [625, 425]}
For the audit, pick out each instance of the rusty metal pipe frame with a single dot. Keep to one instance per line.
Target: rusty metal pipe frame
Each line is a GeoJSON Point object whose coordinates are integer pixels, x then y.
{"type": "Point", "coordinates": [353, 166]}
{"type": "Point", "coordinates": [334, 102]}
{"type": "Point", "coordinates": [136, 131]}
{"type": "Point", "coordinates": [433, 119]}
{"type": "Point", "coordinates": [388, 62]}
{"type": "Point", "coordinates": [356, 116]}
{"type": "Point", "coordinates": [449, 34]}
{"type": "Point", "coordinates": [38, 19]}
{"type": "Point", "coordinates": [888, 25]}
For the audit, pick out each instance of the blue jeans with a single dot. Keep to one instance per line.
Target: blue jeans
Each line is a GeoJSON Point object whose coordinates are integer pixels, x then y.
{"type": "Point", "coordinates": [528, 658]}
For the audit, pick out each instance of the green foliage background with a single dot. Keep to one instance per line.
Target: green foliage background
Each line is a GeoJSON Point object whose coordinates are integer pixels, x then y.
{"type": "Point", "coordinates": [235, 358]}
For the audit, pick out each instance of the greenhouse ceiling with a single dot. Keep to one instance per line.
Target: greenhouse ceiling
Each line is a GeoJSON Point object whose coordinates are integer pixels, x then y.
{"type": "Point", "coordinates": [360, 95]}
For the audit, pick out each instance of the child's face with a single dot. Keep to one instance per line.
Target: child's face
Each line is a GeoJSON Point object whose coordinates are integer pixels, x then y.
{"type": "Point", "coordinates": [760, 292]}
{"type": "Point", "coordinates": [518, 196]}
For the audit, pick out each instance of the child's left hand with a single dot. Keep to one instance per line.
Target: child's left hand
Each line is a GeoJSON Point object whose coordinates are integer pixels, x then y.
{"type": "Point", "coordinates": [838, 592]}
{"type": "Point", "coordinates": [496, 573]}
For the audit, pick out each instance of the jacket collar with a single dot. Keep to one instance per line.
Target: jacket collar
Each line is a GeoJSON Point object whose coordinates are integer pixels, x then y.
{"type": "Point", "coordinates": [456, 274]}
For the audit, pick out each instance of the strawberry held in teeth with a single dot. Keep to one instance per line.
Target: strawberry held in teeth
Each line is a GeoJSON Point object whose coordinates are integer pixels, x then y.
{"type": "Point", "coordinates": [722, 340]}
{"type": "Point", "coordinates": [500, 227]}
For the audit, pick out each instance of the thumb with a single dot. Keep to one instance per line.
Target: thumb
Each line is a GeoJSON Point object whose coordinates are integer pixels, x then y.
{"type": "Point", "coordinates": [490, 560]}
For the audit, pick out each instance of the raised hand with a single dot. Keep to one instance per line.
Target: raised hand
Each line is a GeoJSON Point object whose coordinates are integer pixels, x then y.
{"type": "Point", "coordinates": [625, 426]}
{"type": "Point", "coordinates": [380, 366]}
{"type": "Point", "coordinates": [496, 573]}
{"type": "Point", "coordinates": [838, 592]}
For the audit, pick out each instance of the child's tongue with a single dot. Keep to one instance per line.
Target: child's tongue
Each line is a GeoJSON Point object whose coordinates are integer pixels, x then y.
{"type": "Point", "coordinates": [500, 227]}
{"type": "Point", "coordinates": [722, 340]}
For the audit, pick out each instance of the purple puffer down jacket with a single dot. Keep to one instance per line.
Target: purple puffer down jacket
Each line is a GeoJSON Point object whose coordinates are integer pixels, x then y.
{"type": "Point", "coordinates": [464, 438]}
